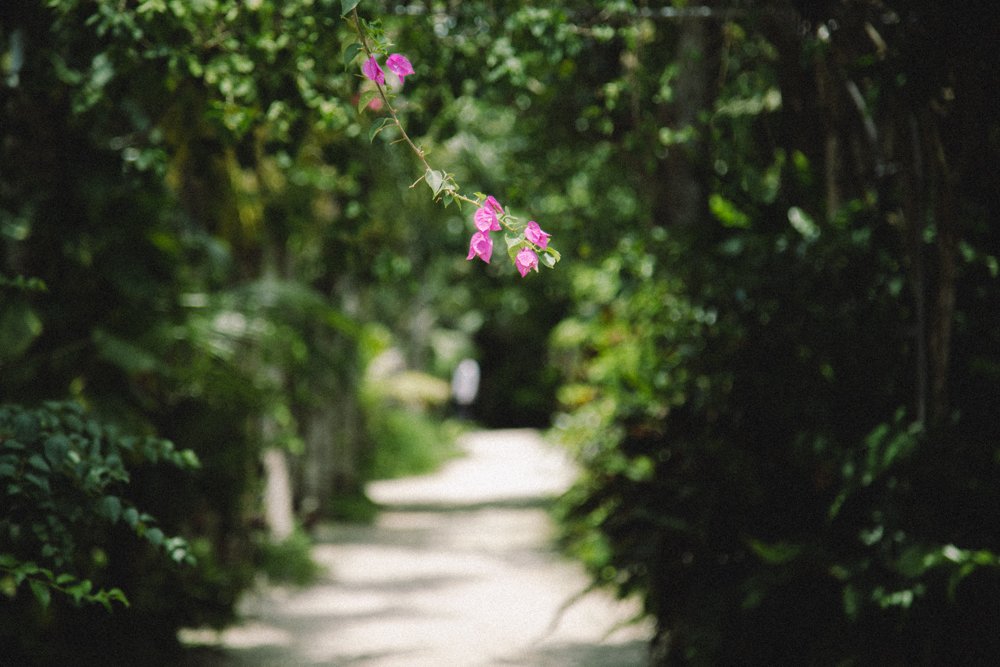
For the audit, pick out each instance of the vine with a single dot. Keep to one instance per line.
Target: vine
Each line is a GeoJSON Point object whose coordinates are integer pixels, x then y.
{"type": "Point", "coordinates": [527, 244]}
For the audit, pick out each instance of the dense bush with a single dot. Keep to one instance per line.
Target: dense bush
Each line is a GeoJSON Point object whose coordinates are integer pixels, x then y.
{"type": "Point", "coordinates": [747, 489]}
{"type": "Point", "coordinates": [72, 535]}
{"type": "Point", "coordinates": [191, 232]}
{"type": "Point", "coordinates": [783, 394]}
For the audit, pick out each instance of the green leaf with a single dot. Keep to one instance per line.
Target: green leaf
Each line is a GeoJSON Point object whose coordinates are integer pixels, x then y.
{"type": "Point", "coordinates": [117, 594]}
{"type": "Point", "coordinates": [56, 449]}
{"type": "Point", "coordinates": [12, 444]}
{"type": "Point", "coordinates": [549, 257]}
{"type": "Point", "coordinates": [777, 553]}
{"type": "Point", "coordinates": [189, 459]}
{"type": "Point", "coordinates": [155, 536]}
{"type": "Point", "coordinates": [365, 98]}
{"type": "Point", "coordinates": [24, 569]}
{"type": "Point", "coordinates": [435, 179]}
{"type": "Point", "coordinates": [111, 507]}
{"type": "Point", "coordinates": [727, 213]}
{"type": "Point", "coordinates": [40, 482]}
{"type": "Point", "coordinates": [78, 591]}
{"type": "Point", "coordinates": [38, 463]}
{"type": "Point", "coordinates": [852, 602]}
{"type": "Point", "coordinates": [73, 423]}
{"type": "Point", "coordinates": [131, 516]}
{"type": "Point", "coordinates": [377, 127]}
{"type": "Point", "coordinates": [347, 5]}
{"type": "Point", "coordinates": [41, 591]}
{"type": "Point", "coordinates": [350, 53]}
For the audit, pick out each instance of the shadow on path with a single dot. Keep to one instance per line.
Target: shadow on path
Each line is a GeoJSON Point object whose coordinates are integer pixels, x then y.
{"type": "Point", "coordinates": [458, 570]}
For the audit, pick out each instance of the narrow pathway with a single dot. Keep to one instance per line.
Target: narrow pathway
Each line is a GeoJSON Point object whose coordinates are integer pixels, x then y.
{"type": "Point", "coordinates": [459, 570]}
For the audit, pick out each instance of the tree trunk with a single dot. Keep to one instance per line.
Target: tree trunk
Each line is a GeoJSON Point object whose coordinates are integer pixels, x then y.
{"type": "Point", "coordinates": [939, 350]}
{"type": "Point", "coordinates": [683, 186]}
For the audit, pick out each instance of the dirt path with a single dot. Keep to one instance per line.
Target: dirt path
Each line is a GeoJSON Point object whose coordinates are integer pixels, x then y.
{"type": "Point", "coordinates": [459, 570]}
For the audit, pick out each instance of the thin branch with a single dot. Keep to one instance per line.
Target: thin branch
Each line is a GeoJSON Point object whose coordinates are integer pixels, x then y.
{"type": "Point", "coordinates": [419, 152]}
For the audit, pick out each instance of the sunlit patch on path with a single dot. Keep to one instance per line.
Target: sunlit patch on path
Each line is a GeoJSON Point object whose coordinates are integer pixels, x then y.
{"type": "Point", "coordinates": [459, 569]}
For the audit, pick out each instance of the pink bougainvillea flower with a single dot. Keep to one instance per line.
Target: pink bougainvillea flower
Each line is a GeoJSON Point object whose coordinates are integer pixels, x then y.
{"type": "Point", "coordinates": [373, 71]}
{"type": "Point", "coordinates": [492, 203]}
{"type": "Point", "coordinates": [481, 246]}
{"type": "Point", "coordinates": [486, 220]}
{"type": "Point", "coordinates": [400, 65]}
{"type": "Point", "coordinates": [375, 104]}
{"type": "Point", "coordinates": [535, 234]}
{"type": "Point", "coordinates": [525, 261]}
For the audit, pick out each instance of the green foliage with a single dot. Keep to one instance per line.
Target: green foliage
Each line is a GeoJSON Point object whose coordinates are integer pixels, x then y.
{"type": "Point", "coordinates": [65, 480]}
{"type": "Point", "coordinates": [406, 442]}
{"type": "Point", "coordinates": [742, 375]}
{"type": "Point", "coordinates": [347, 5]}
{"type": "Point", "coordinates": [730, 490]}
{"type": "Point", "coordinates": [62, 475]}
{"type": "Point", "coordinates": [22, 283]}
{"type": "Point", "coordinates": [289, 561]}
{"type": "Point", "coordinates": [143, 146]}
{"type": "Point", "coordinates": [404, 424]}
{"type": "Point", "coordinates": [43, 581]}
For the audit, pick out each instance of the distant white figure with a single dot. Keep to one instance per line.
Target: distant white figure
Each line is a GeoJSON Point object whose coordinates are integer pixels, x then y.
{"type": "Point", "coordinates": [465, 385]}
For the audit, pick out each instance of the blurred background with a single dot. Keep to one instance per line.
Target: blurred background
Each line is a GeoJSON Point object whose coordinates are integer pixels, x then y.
{"type": "Point", "coordinates": [773, 341]}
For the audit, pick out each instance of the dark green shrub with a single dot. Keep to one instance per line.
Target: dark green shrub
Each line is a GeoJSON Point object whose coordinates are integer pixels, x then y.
{"type": "Point", "coordinates": [68, 522]}
{"type": "Point", "coordinates": [766, 513]}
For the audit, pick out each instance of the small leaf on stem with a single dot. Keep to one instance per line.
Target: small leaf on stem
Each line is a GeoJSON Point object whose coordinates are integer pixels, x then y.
{"type": "Point", "coordinates": [377, 127]}
{"type": "Point", "coordinates": [41, 591]}
{"type": "Point", "coordinates": [365, 99]}
{"type": "Point", "coordinates": [350, 53]}
{"type": "Point", "coordinates": [435, 179]}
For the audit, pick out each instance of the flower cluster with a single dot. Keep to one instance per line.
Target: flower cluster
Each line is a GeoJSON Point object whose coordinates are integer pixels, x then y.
{"type": "Point", "coordinates": [527, 244]}
{"type": "Point", "coordinates": [487, 219]}
{"type": "Point", "coordinates": [397, 64]}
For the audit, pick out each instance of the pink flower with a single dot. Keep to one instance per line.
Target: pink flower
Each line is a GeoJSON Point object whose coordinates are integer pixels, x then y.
{"type": "Point", "coordinates": [486, 220]}
{"type": "Point", "coordinates": [481, 246]}
{"type": "Point", "coordinates": [373, 71]}
{"type": "Point", "coordinates": [493, 204]}
{"type": "Point", "coordinates": [535, 234]}
{"type": "Point", "coordinates": [375, 104]}
{"type": "Point", "coordinates": [525, 261]}
{"type": "Point", "coordinates": [400, 65]}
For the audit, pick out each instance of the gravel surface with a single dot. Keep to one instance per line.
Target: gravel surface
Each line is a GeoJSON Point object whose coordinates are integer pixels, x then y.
{"type": "Point", "coordinates": [458, 570]}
